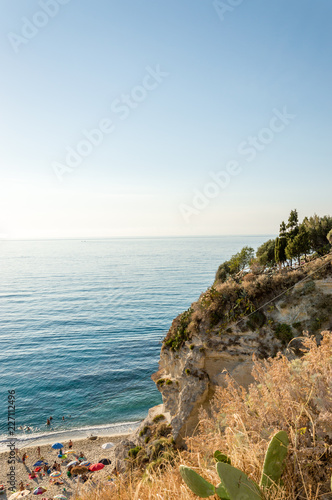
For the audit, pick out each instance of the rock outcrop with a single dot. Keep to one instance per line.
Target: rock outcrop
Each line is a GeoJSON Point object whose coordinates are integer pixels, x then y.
{"type": "Point", "coordinates": [231, 322]}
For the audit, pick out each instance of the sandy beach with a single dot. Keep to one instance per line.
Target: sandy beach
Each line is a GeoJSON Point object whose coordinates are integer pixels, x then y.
{"type": "Point", "coordinates": [92, 450]}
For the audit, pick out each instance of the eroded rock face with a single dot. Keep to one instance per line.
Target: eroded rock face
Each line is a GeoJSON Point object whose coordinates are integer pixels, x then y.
{"type": "Point", "coordinates": [187, 377]}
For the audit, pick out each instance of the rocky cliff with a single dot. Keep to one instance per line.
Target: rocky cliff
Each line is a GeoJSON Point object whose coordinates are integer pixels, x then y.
{"type": "Point", "coordinates": [232, 321]}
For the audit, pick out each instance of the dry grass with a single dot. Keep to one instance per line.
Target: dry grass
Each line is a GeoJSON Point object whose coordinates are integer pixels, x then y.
{"type": "Point", "coordinates": [291, 394]}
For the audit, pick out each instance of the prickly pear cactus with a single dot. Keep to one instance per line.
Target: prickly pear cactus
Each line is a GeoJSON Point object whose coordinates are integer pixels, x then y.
{"type": "Point", "coordinates": [274, 459]}
{"type": "Point", "coordinates": [221, 492]}
{"type": "Point", "coordinates": [196, 483]}
{"type": "Point", "coordinates": [220, 457]}
{"type": "Point", "coordinates": [236, 484]}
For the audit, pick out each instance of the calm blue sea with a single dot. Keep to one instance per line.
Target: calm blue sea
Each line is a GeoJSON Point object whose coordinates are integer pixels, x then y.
{"type": "Point", "coordinates": [81, 324]}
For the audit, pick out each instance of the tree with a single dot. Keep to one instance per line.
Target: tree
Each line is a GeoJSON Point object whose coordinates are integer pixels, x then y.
{"type": "Point", "coordinates": [318, 229]}
{"type": "Point", "coordinates": [237, 263]}
{"type": "Point", "coordinates": [266, 253]}
{"type": "Point", "coordinates": [283, 230]}
{"type": "Point", "coordinates": [241, 260]}
{"type": "Point", "coordinates": [223, 271]}
{"type": "Point", "coordinates": [280, 253]}
{"type": "Point", "coordinates": [299, 245]}
{"type": "Point", "coordinates": [293, 224]}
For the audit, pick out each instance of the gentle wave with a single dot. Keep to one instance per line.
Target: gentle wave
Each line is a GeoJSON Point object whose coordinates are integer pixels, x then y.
{"type": "Point", "coordinates": [38, 439]}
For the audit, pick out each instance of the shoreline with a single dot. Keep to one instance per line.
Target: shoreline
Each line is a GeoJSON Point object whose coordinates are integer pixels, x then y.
{"type": "Point", "coordinates": [24, 441]}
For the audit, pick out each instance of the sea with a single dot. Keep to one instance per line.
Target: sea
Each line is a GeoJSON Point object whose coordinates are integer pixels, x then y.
{"type": "Point", "coordinates": [81, 326]}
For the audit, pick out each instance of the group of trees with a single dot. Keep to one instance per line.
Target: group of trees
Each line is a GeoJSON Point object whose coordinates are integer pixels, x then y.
{"type": "Point", "coordinates": [295, 240]}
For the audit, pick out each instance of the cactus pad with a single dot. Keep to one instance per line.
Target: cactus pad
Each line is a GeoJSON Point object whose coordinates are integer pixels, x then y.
{"type": "Point", "coordinates": [196, 483]}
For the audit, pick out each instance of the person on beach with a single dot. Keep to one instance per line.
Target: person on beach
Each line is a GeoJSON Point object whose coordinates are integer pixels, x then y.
{"type": "Point", "coordinates": [51, 418]}
{"type": "Point", "coordinates": [38, 451]}
{"type": "Point", "coordinates": [70, 444]}
{"type": "Point", "coordinates": [63, 418]}
{"type": "Point", "coordinates": [48, 422]}
{"type": "Point", "coordinates": [21, 486]}
{"type": "Point", "coordinates": [24, 457]}
{"type": "Point", "coordinates": [55, 465]}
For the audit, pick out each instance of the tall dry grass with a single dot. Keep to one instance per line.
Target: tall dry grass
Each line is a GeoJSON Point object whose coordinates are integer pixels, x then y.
{"type": "Point", "coordinates": [290, 394]}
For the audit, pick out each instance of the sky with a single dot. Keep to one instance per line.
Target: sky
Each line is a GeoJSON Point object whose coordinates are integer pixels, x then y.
{"type": "Point", "coordinates": [139, 118]}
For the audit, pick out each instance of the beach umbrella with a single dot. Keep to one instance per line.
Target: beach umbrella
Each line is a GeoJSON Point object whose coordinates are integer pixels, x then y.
{"type": "Point", "coordinates": [40, 462]}
{"type": "Point", "coordinates": [85, 463]}
{"type": "Point", "coordinates": [105, 461]}
{"type": "Point", "coordinates": [95, 467]}
{"type": "Point", "coordinates": [60, 497]}
{"type": "Point", "coordinates": [57, 446]}
{"type": "Point", "coordinates": [79, 470]}
{"type": "Point", "coordinates": [74, 462]}
{"type": "Point", "coordinates": [56, 474]}
{"type": "Point", "coordinates": [19, 494]}
{"type": "Point", "coordinates": [39, 491]}
{"type": "Point", "coordinates": [106, 446]}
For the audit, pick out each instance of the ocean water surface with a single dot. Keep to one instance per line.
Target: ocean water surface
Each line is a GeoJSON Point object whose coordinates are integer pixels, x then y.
{"type": "Point", "coordinates": [81, 324]}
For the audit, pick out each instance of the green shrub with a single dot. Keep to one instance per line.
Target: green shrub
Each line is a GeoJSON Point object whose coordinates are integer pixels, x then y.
{"type": "Point", "coordinates": [144, 430]}
{"type": "Point", "coordinates": [132, 453]}
{"type": "Point", "coordinates": [176, 339]}
{"type": "Point", "coordinates": [283, 332]}
{"type": "Point", "coordinates": [256, 320]}
{"type": "Point", "coordinates": [158, 418]}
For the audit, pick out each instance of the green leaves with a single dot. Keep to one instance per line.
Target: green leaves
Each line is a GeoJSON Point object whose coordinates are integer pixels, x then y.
{"type": "Point", "coordinates": [274, 459]}
{"type": "Point", "coordinates": [220, 457]}
{"type": "Point", "coordinates": [196, 483]}
{"type": "Point", "coordinates": [236, 483]}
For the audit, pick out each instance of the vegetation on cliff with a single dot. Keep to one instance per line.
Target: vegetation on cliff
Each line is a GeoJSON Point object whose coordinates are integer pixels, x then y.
{"type": "Point", "coordinates": [244, 284]}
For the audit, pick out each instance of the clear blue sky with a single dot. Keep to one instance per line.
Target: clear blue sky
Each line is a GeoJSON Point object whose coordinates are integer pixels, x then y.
{"type": "Point", "coordinates": [223, 80]}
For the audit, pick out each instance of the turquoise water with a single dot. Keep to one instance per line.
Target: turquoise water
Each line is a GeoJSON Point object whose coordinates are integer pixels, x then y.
{"type": "Point", "coordinates": [81, 323]}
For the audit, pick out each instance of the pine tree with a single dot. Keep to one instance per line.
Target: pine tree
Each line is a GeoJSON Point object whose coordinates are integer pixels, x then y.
{"type": "Point", "coordinates": [280, 254]}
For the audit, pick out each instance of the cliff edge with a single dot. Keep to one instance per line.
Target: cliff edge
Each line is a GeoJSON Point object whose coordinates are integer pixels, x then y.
{"type": "Point", "coordinates": [252, 314]}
